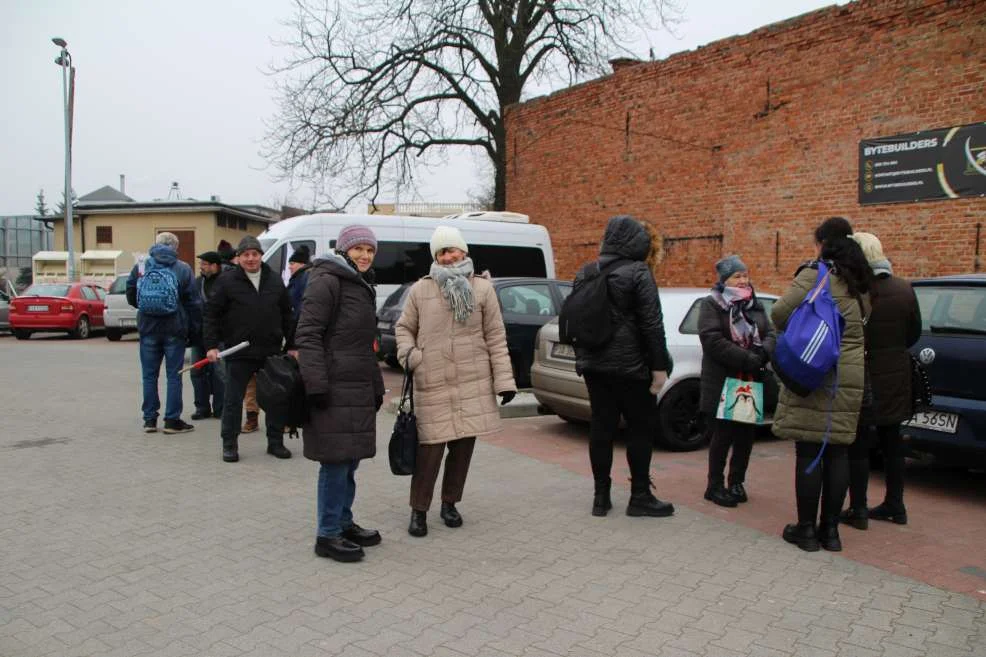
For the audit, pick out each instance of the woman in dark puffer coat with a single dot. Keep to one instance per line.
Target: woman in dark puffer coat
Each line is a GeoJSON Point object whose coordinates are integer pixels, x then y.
{"type": "Point", "coordinates": [334, 339]}
{"type": "Point", "coordinates": [737, 341]}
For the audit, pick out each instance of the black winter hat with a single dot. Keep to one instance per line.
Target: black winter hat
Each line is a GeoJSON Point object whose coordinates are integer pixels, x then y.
{"type": "Point", "coordinates": [301, 254]}
{"type": "Point", "coordinates": [211, 257]}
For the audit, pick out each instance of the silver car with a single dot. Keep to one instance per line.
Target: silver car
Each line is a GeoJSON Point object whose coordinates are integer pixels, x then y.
{"type": "Point", "coordinates": [4, 312]}
{"type": "Point", "coordinates": [119, 316]}
{"type": "Point", "coordinates": [680, 426]}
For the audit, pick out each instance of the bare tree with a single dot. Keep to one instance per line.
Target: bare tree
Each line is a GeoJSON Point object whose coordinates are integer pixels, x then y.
{"type": "Point", "coordinates": [372, 89]}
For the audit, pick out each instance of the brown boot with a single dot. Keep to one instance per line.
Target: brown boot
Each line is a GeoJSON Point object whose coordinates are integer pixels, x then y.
{"type": "Point", "coordinates": [252, 422]}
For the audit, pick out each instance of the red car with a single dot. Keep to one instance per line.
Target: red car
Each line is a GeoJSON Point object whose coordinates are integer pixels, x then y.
{"type": "Point", "coordinates": [73, 307]}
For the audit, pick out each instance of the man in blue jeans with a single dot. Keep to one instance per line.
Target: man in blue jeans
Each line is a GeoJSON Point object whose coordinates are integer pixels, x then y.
{"type": "Point", "coordinates": [169, 310]}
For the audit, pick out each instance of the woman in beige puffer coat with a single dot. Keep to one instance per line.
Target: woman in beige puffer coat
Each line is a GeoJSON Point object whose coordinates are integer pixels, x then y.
{"type": "Point", "coordinates": [451, 337]}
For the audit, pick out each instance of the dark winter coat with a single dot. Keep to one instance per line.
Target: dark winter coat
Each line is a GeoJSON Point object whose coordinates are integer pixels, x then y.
{"type": "Point", "coordinates": [638, 346]}
{"type": "Point", "coordinates": [296, 291]}
{"type": "Point", "coordinates": [185, 323]}
{"type": "Point", "coordinates": [238, 311]}
{"type": "Point", "coordinates": [721, 357]}
{"type": "Point", "coordinates": [335, 352]}
{"type": "Point", "coordinates": [894, 325]}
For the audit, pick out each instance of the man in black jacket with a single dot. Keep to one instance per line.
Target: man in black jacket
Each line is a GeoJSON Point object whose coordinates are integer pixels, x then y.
{"type": "Point", "coordinates": [248, 303]}
{"type": "Point", "coordinates": [207, 382]}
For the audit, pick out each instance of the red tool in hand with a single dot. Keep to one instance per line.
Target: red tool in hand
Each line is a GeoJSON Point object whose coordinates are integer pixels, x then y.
{"type": "Point", "coordinates": [199, 364]}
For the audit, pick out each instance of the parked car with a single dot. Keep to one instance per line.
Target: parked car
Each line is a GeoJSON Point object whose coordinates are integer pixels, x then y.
{"type": "Point", "coordinates": [952, 348]}
{"type": "Point", "coordinates": [526, 303]}
{"type": "Point", "coordinates": [120, 317]}
{"type": "Point", "coordinates": [679, 426]}
{"type": "Point", "coordinates": [73, 307]}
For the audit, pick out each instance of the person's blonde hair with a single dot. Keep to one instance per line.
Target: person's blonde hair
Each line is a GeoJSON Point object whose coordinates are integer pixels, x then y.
{"type": "Point", "coordinates": [656, 253]}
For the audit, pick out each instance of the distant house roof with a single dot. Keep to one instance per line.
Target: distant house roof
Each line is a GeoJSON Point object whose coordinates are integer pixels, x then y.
{"type": "Point", "coordinates": [106, 194]}
{"type": "Point", "coordinates": [84, 207]}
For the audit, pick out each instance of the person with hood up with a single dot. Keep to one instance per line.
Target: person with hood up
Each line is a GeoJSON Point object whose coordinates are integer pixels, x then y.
{"type": "Point", "coordinates": [893, 326]}
{"type": "Point", "coordinates": [737, 340]}
{"type": "Point", "coordinates": [335, 336]}
{"type": "Point", "coordinates": [164, 334]}
{"type": "Point", "coordinates": [625, 375]}
{"type": "Point", "coordinates": [248, 303]}
{"type": "Point", "coordinates": [452, 340]}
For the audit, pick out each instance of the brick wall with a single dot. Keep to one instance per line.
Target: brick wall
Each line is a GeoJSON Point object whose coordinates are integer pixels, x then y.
{"type": "Point", "coordinates": [718, 174]}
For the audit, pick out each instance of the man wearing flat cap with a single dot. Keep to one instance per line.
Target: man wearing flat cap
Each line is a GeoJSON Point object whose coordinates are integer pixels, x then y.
{"type": "Point", "coordinates": [248, 303]}
{"type": "Point", "coordinates": [207, 382]}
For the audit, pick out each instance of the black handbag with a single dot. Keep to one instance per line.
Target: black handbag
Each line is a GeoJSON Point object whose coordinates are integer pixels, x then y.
{"type": "Point", "coordinates": [920, 386]}
{"type": "Point", "coordinates": [403, 445]}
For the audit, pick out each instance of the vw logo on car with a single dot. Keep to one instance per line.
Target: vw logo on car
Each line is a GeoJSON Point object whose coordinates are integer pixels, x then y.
{"type": "Point", "coordinates": [926, 356]}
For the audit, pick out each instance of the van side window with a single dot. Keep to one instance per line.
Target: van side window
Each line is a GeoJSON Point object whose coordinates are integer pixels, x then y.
{"type": "Point", "coordinates": [502, 261]}
{"type": "Point", "coordinates": [276, 260]}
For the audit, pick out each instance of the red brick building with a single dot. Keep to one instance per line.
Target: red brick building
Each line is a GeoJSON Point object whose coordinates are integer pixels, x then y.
{"type": "Point", "coordinates": [744, 145]}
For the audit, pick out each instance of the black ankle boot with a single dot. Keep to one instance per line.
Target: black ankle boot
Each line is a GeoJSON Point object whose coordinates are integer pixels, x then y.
{"type": "Point", "coordinates": [230, 452]}
{"type": "Point", "coordinates": [644, 503]}
{"type": "Point", "coordinates": [450, 515]}
{"type": "Point", "coordinates": [278, 450]}
{"type": "Point", "coordinates": [338, 548]}
{"type": "Point", "coordinates": [888, 513]}
{"type": "Point", "coordinates": [739, 492]}
{"type": "Point", "coordinates": [803, 535]}
{"type": "Point", "coordinates": [828, 535]}
{"type": "Point", "coordinates": [419, 524]}
{"type": "Point", "coordinates": [601, 502]}
{"type": "Point", "coordinates": [717, 494]}
{"type": "Point", "coordinates": [858, 518]}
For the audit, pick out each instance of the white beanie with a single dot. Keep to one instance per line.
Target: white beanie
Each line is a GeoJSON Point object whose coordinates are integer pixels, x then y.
{"type": "Point", "coordinates": [446, 237]}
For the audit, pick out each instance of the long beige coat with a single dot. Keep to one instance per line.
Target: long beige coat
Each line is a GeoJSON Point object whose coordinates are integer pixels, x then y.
{"type": "Point", "coordinates": [458, 368]}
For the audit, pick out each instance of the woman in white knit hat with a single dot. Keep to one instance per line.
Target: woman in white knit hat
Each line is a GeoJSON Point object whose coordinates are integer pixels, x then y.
{"type": "Point", "coordinates": [452, 339]}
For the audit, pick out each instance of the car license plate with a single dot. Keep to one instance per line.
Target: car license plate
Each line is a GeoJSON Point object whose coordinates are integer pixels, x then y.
{"type": "Point", "coordinates": [565, 351]}
{"type": "Point", "coordinates": [935, 421]}
{"type": "Point", "coordinates": [128, 323]}
{"type": "Point", "coordinates": [37, 309]}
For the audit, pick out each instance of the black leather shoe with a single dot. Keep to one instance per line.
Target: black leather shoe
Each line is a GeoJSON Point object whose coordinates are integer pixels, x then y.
{"type": "Point", "coordinates": [739, 492]}
{"type": "Point", "coordinates": [645, 504]}
{"type": "Point", "coordinates": [719, 495]}
{"type": "Point", "coordinates": [279, 451]}
{"type": "Point", "coordinates": [601, 504]}
{"type": "Point", "coordinates": [360, 536]}
{"type": "Point", "coordinates": [450, 515]}
{"type": "Point", "coordinates": [419, 524]}
{"type": "Point", "coordinates": [828, 536]}
{"type": "Point", "coordinates": [231, 454]}
{"type": "Point", "coordinates": [338, 548]}
{"type": "Point", "coordinates": [803, 535]}
{"type": "Point", "coordinates": [884, 512]}
{"type": "Point", "coordinates": [858, 518]}
{"type": "Point", "coordinates": [201, 415]}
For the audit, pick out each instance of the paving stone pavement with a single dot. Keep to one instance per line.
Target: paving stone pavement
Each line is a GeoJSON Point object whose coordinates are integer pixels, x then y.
{"type": "Point", "coordinates": [116, 543]}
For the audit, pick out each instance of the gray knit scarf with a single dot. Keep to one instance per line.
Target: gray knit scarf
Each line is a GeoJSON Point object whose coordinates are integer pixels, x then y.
{"type": "Point", "coordinates": [453, 281]}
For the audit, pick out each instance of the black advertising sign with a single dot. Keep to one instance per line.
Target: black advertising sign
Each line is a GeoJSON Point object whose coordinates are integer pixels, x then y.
{"type": "Point", "coordinates": [923, 166]}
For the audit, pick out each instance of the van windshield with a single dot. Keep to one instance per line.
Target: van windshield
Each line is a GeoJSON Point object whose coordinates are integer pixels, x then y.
{"type": "Point", "coordinates": [267, 242]}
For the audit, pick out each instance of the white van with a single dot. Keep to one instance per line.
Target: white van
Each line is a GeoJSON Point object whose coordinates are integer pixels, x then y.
{"type": "Point", "coordinates": [504, 243]}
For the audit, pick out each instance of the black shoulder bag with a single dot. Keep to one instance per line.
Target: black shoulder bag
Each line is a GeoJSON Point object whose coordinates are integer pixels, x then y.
{"type": "Point", "coordinates": [403, 445]}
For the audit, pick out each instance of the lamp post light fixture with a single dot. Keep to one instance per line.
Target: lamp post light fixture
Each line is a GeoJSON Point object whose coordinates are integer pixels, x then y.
{"type": "Point", "coordinates": [64, 60]}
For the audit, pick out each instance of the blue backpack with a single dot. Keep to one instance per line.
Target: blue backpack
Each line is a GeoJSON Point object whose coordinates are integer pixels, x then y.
{"type": "Point", "coordinates": [157, 290]}
{"type": "Point", "coordinates": [808, 349]}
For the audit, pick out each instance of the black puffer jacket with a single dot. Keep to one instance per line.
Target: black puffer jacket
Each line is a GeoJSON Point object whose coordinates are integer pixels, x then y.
{"type": "Point", "coordinates": [721, 357]}
{"type": "Point", "coordinates": [238, 311]}
{"type": "Point", "coordinates": [638, 346]}
{"type": "Point", "coordinates": [893, 326]}
{"type": "Point", "coordinates": [335, 338]}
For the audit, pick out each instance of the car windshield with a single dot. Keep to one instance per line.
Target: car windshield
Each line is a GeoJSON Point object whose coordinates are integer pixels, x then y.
{"type": "Point", "coordinates": [47, 290]}
{"type": "Point", "coordinates": [952, 308]}
{"type": "Point", "coordinates": [119, 285]}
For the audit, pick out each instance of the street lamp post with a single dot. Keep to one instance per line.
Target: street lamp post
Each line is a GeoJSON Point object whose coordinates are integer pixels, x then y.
{"type": "Point", "coordinates": [64, 60]}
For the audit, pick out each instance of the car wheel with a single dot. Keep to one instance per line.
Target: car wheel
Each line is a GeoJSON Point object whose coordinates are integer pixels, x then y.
{"type": "Point", "coordinates": [22, 334]}
{"type": "Point", "coordinates": [82, 330]}
{"type": "Point", "coordinates": [114, 334]}
{"type": "Point", "coordinates": [682, 426]}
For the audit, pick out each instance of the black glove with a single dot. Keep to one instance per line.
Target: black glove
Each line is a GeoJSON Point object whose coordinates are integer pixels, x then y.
{"type": "Point", "coordinates": [378, 401]}
{"type": "Point", "coordinates": [319, 400]}
{"type": "Point", "coordinates": [507, 397]}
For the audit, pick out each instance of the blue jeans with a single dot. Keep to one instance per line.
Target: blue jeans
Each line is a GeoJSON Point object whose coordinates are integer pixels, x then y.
{"type": "Point", "coordinates": [336, 492]}
{"type": "Point", "coordinates": [154, 349]}
{"type": "Point", "coordinates": [208, 382]}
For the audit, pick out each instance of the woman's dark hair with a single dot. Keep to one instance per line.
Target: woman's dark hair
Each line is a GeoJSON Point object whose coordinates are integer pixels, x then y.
{"type": "Point", "coordinates": [831, 228]}
{"type": "Point", "coordinates": [850, 263]}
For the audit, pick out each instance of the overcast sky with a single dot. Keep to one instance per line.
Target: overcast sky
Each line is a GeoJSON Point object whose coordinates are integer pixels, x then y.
{"type": "Point", "coordinates": [176, 91]}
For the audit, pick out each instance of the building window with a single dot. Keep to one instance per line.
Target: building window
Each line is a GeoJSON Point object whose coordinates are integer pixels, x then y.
{"type": "Point", "coordinates": [104, 234]}
{"type": "Point", "coordinates": [242, 224]}
{"type": "Point", "coordinates": [221, 220]}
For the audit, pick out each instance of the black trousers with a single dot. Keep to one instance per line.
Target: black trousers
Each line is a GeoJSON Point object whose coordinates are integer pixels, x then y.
{"type": "Point", "coordinates": [611, 396]}
{"type": "Point", "coordinates": [726, 434]}
{"type": "Point", "coordinates": [828, 480]}
{"type": "Point", "coordinates": [892, 446]}
{"type": "Point", "coordinates": [238, 374]}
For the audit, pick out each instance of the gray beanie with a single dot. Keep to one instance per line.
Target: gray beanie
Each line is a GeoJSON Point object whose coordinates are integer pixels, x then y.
{"type": "Point", "coordinates": [249, 243]}
{"type": "Point", "coordinates": [729, 266]}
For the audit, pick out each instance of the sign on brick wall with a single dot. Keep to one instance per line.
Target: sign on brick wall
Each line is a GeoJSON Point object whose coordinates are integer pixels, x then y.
{"type": "Point", "coordinates": [923, 166]}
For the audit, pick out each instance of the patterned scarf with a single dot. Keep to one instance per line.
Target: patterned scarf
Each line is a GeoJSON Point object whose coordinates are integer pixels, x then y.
{"type": "Point", "coordinates": [453, 281]}
{"type": "Point", "coordinates": [738, 301]}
